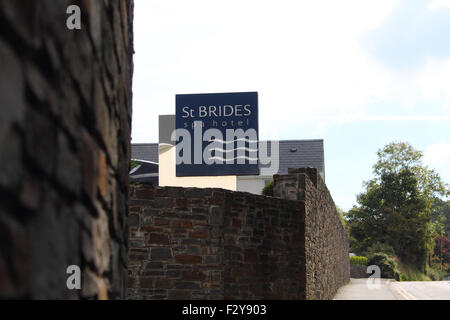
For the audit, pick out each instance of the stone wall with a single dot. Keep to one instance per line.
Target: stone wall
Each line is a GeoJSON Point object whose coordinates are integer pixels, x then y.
{"type": "Point", "coordinates": [64, 147]}
{"type": "Point", "coordinates": [188, 243]}
{"type": "Point", "coordinates": [326, 241]}
{"type": "Point", "coordinates": [358, 271]}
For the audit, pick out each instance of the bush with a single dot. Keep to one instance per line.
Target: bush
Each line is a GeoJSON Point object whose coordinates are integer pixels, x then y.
{"type": "Point", "coordinates": [410, 272]}
{"type": "Point", "coordinates": [268, 189]}
{"type": "Point", "coordinates": [436, 274]}
{"type": "Point", "coordinates": [359, 260]}
{"type": "Point", "coordinates": [379, 247]}
{"type": "Point", "coordinates": [441, 269]}
{"type": "Point", "coordinates": [387, 265]}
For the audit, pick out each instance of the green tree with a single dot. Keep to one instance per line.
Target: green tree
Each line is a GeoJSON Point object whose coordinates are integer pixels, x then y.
{"type": "Point", "coordinates": [341, 215]}
{"type": "Point", "coordinates": [268, 189]}
{"type": "Point", "coordinates": [441, 214]}
{"type": "Point", "coordinates": [396, 207]}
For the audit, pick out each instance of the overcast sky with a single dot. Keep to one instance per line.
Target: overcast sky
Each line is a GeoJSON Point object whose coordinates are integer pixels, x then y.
{"type": "Point", "coordinates": [358, 74]}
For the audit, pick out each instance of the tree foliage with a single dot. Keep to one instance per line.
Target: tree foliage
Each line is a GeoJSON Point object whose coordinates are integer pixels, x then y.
{"type": "Point", "coordinates": [396, 207]}
{"type": "Point", "coordinates": [441, 214]}
{"type": "Point", "coordinates": [388, 266]}
{"type": "Point", "coordinates": [268, 189]}
{"type": "Point", "coordinates": [341, 215]}
{"type": "Point", "coordinates": [378, 247]}
{"type": "Point", "coordinates": [442, 248]}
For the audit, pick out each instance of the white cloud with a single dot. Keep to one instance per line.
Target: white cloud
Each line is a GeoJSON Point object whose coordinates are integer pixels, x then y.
{"type": "Point", "coordinates": [436, 4]}
{"type": "Point", "coordinates": [437, 156]}
{"type": "Point", "coordinates": [360, 117]}
{"type": "Point", "coordinates": [438, 153]}
{"type": "Point", "coordinates": [433, 81]}
{"type": "Point", "coordinates": [303, 57]}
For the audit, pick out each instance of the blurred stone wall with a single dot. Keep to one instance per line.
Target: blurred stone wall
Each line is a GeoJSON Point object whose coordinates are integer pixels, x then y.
{"type": "Point", "coordinates": [65, 117]}
{"type": "Point", "coordinates": [357, 271]}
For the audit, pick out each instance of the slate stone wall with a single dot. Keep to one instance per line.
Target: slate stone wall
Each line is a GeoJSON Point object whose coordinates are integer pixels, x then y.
{"type": "Point", "coordinates": [326, 241]}
{"type": "Point", "coordinates": [189, 243]}
{"type": "Point", "coordinates": [358, 271]}
{"type": "Point", "coordinates": [65, 102]}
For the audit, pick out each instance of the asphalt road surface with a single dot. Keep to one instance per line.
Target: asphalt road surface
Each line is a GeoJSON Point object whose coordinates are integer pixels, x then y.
{"type": "Point", "coordinates": [386, 289]}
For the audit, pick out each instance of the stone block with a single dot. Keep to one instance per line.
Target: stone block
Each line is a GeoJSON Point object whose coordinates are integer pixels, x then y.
{"type": "Point", "coordinates": [188, 259]}
{"type": "Point", "coordinates": [158, 238]}
{"type": "Point", "coordinates": [158, 253]}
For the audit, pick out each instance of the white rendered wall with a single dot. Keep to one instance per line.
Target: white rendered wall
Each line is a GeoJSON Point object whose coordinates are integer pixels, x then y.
{"type": "Point", "coordinates": [167, 174]}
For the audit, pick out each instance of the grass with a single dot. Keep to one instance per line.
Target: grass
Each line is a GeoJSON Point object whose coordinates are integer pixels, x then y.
{"type": "Point", "coordinates": [436, 274]}
{"type": "Point", "coordinates": [411, 273]}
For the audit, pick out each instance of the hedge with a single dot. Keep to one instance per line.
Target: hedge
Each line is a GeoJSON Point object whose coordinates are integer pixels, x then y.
{"type": "Point", "coordinates": [359, 260]}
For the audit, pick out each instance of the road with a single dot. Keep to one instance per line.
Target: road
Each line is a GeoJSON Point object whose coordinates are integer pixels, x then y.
{"type": "Point", "coordinates": [367, 289]}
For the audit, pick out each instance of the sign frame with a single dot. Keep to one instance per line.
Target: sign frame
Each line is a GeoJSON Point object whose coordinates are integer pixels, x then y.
{"type": "Point", "coordinates": [197, 113]}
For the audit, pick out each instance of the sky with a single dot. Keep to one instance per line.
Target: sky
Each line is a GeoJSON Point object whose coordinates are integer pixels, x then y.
{"type": "Point", "coordinates": [358, 74]}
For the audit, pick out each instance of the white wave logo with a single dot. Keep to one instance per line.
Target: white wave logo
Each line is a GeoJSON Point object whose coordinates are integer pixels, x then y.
{"type": "Point", "coordinates": [244, 149]}
{"type": "Point", "coordinates": [233, 141]}
{"type": "Point", "coordinates": [232, 150]}
{"type": "Point", "coordinates": [248, 149]}
{"type": "Point", "coordinates": [235, 158]}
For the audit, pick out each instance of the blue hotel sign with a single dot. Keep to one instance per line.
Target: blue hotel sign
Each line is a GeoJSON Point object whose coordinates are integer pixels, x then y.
{"type": "Point", "coordinates": [217, 134]}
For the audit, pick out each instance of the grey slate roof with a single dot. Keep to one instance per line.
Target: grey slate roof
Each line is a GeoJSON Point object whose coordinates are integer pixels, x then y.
{"type": "Point", "coordinates": [309, 153]}
{"type": "Point", "coordinates": [145, 151]}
